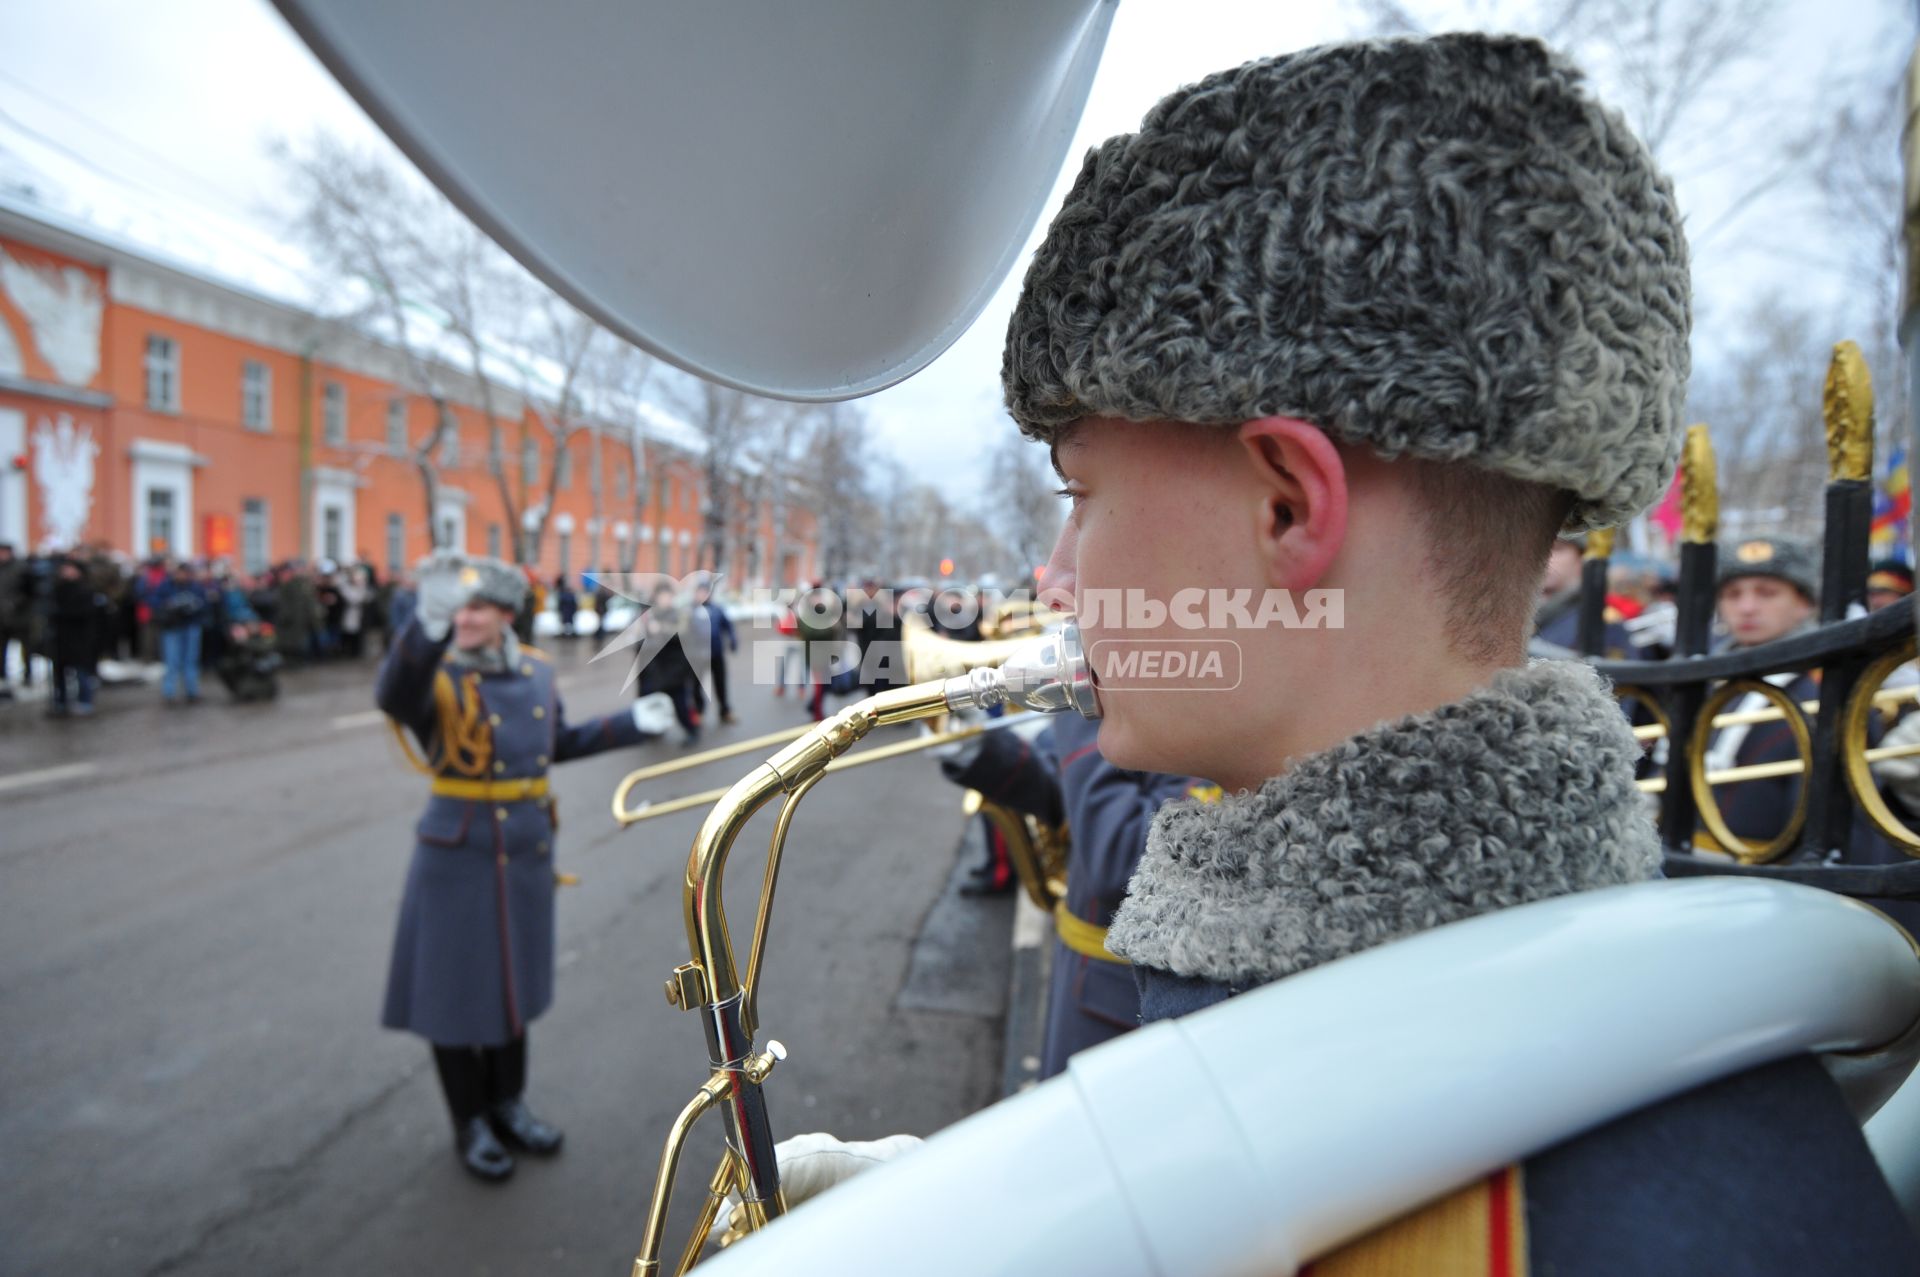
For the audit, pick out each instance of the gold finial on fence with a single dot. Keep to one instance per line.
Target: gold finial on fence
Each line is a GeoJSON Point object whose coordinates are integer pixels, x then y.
{"type": "Point", "coordinates": [1699, 491]}
{"type": "Point", "coordinates": [1600, 543]}
{"type": "Point", "coordinates": [1847, 406]}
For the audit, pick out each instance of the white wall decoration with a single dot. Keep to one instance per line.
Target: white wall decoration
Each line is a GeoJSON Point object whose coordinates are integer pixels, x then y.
{"type": "Point", "coordinates": [11, 364]}
{"type": "Point", "coordinates": [63, 307]}
{"type": "Point", "coordinates": [63, 467]}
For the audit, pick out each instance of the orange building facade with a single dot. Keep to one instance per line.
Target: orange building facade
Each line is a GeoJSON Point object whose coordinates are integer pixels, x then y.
{"type": "Point", "coordinates": [155, 410]}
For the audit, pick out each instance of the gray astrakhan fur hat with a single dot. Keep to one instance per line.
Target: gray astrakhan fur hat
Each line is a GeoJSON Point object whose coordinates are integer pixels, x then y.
{"type": "Point", "coordinates": [1439, 248]}
{"type": "Point", "coordinates": [493, 581]}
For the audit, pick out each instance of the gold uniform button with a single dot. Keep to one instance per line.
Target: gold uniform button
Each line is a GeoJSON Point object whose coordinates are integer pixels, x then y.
{"type": "Point", "coordinates": [526, 671]}
{"type": "Point", "coordinates": [539, 711]}
{"type": "Point", "coordinates": [494, 719]}
{"type": "Point", "coordinates": [499, 765]}
{"type": "Point", "coordinates": [543, 846]}
{"type": "Point", "coordinates": [501, 858]}
{"type": "Point", "coordinates": [539, 760]}
{"type": "Point", "coordinates": [500, 813]}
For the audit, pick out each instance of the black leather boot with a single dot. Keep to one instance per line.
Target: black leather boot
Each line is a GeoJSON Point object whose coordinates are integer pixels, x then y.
{"type": "Point", "coordinates": [480, 1151]}
{"type": "Point", "coordinates": [516, 1124]}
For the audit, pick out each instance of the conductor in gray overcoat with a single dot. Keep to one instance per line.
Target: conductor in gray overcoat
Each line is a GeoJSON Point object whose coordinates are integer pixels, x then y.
{"type": "Point", "coordinates": [472, 959]}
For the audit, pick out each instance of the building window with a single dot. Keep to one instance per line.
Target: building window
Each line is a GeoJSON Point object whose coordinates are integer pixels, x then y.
{"type": "Point", "coordinates": [565, 462]}
{"type": "Point", "coordinates": [396, 544]}
{"type": "Point", "coordinates": [163, 373]}
{"type": "Point", "coordinates": [397, 426]}
{"type": "Point", "coordinates": [566, 553]}
{"type": "Point", "coordinates": [530, 460]}
{"type": "Point", "coordinates": [333, 414]}
{"type": "Point", "coordinates": [619, 484]}
{"type": "Point", "coordinates": [253, 536]}
{"type": "Point", "coordinates": [496, 452]}
{"type": "Point", "coordinates": [159, 520]}
{"type": "Point", "coordinates": [333, 533]}
{"type": "Point", "coordinates": [256, 395]}
{"type": "Point", "coordinates": [493, 540]}
{"type": "Point", "coordinates": [450, 445]}
{"type": "Point", "coordinates": [672, 492]}
{"type": "Point", "coordinates": [450, 533]}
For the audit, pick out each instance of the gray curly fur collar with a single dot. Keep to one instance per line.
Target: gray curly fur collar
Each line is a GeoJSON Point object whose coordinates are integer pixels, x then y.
{"type": "Point", "coordinates": [1521, 791]}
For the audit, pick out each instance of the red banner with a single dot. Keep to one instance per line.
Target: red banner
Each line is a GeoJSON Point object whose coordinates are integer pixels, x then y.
{"type": "Point", "coordinates": [216, 540]}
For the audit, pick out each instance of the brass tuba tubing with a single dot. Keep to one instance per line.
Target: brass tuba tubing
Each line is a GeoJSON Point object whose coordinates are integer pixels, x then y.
{"type": "Point", "coordinates": [1047, 673]}
{"type": "Point", "coordinates": [1881, 699]}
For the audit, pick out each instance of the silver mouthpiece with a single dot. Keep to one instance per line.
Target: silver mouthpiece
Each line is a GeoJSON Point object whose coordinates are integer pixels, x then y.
{"type": "Point", "coordinates": [1048, 674]}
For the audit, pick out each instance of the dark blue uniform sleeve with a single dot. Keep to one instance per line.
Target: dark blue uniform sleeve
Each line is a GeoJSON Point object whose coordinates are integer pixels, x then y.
{"type": "Point", "coordinates": [404, 688]}
{"type": "Point", "coordinates": [725, 629]}
{"type": "Point", "coordinates": [577, 740]}
{"type": "Point", "coordinates": [1014, 773]}
{"type": "Point", "coordinates": [1108, 813]}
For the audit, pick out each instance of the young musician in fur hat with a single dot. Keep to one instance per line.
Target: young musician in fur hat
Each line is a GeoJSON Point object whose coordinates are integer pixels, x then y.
{"type": "Point", "coordinates": [1385, 319]}
{"type": "Point", "coordinates": [473, 953]}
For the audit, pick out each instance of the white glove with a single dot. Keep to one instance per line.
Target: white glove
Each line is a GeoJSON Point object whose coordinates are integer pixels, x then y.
{"type": "Point", "coordinates": [1901, 776]}
{"type": "Point", "coordinates": [653, 714]}
{"type": "Point", "coordinates": [811, 1164]}
{"type": "Point", "coordinates": [440, 592]}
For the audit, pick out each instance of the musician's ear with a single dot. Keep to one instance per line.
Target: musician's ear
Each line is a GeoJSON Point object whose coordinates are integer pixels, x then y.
{"type": "Point", "coordinates": [1301, 521]}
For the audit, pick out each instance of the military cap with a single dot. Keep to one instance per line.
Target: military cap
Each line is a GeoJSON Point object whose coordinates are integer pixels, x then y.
{"type": "Point", "coordinates": [1439, 248]}
{"type": "Point", "coordinates": [1891, 575]}
{"type": "Point", "coordinates": [1788, 561]}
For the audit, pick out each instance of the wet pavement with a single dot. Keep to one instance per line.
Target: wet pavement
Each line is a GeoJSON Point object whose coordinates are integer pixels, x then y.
{"type": "Point", "coordinates": [195, 912]}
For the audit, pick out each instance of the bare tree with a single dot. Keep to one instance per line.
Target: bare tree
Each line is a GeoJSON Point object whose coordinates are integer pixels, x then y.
{"type": "Point", "coordinates": [1682, 71]}
{"type": "Point", "coordinates": [559, 360]}
{"type": "Point", "coordinates": [1761, 401]}
{"type": "Point", "coordinates": [836, 485]}
{"type": "Point", "coordinates": [417, 272]}
{"type": "Point", "coordinates": [1022, 508]}
{"type": "Point", "coordinates": [728, 422]}
{"type": "Point", "coordinates": [367, 226]}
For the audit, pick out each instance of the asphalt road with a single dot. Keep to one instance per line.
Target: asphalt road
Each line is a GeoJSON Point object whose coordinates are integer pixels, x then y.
{"type": "Point", "coordinates": [195, 912]}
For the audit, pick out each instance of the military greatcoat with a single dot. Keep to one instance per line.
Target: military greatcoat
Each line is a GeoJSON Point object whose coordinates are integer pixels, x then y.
{"type": "Point", "coordinates": [473, 953]}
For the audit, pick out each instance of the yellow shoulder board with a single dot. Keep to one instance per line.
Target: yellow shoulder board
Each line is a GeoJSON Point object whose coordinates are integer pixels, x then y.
{"type": "Point", "coordinates": [1480, 1231]}
{"type": "Point", "coordinates": [527, 649]}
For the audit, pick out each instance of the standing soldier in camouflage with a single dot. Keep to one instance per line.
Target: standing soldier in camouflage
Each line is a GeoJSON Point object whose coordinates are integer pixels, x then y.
{"type": "Point", "coordinates": [473, 954]}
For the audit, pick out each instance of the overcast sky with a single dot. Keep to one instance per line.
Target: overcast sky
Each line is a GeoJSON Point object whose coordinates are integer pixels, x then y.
{"type": "Point", "coordinates": [152, 120]}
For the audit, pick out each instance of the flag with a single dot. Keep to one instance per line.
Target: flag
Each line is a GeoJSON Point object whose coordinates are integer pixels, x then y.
{"type": "Point", "coordinates": [1666, 516]}
{"type": "Point", "coordinates": [1892, 508]}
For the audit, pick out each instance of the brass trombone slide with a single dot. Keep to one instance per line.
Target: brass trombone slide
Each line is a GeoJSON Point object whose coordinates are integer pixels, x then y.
{"type": "Point", "coordinates": [647, 811]}
{"type": "Point", "coordinates": [1767, 771]}
{"type": "Point", "coordinates": [1881, 700]}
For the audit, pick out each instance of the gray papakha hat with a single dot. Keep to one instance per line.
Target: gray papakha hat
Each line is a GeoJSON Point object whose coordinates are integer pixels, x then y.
{"type": "Point", "coordinates": [1438, 248]}
{"type": "Point", "coordinates": [477, 577]}
{"type": "Point", "coordinates": [1769, 556]}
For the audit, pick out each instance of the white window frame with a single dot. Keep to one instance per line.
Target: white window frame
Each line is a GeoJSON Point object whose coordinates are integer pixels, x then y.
{"type": "Point", "coordinates": [255, 527]}
{"type": "Point", "coordinates": [163, 373]}
{"type": "Point", "coordinates": [564, 459]}
{"type": "Point", "coordinates": [450, 445]}
{"type": "Point", "coordinates": [333, 415]}
{"type": "Point", "coordinates": [493, 540]}
{"type": "Point", "coordinates": [397, 426]}
{"type": "Point", "coordinates": [256, 395]}
{"type": "Point", "coordinates": [396, 543]}
{"type": "Point", "coordinates": [530, 461]}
